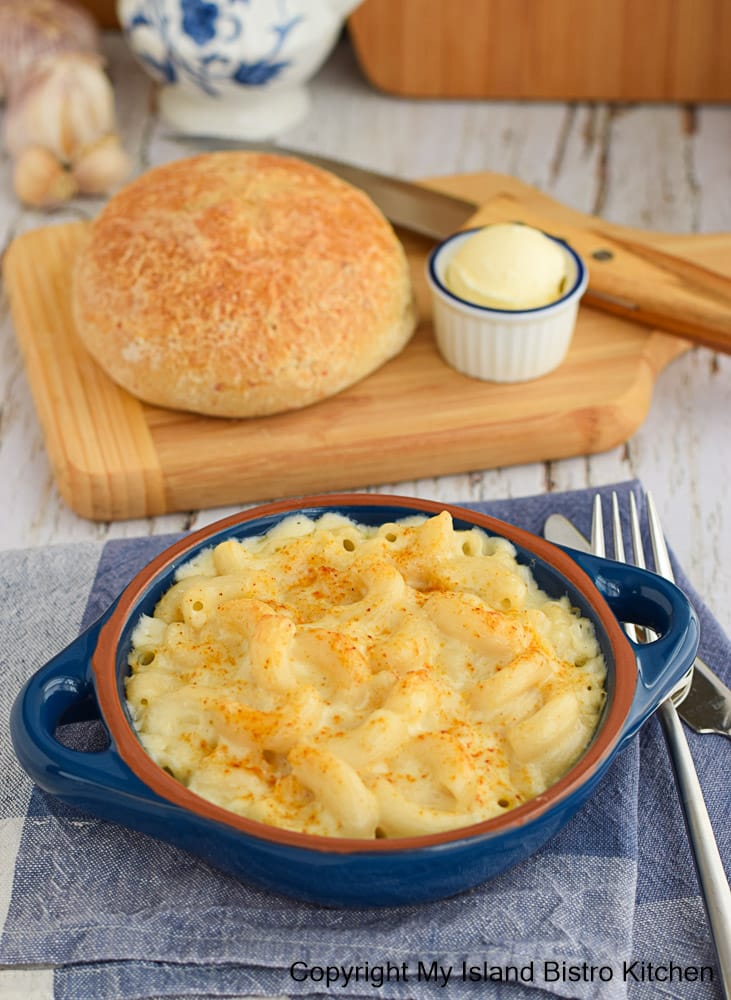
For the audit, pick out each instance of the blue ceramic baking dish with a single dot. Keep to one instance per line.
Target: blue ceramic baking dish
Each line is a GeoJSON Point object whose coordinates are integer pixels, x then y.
{"type": "Point", "coordinates": [122, 784]}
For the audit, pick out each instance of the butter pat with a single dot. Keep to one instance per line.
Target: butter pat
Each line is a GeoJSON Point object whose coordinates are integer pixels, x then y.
{"type": "Point", "coordinates": [508, 266]}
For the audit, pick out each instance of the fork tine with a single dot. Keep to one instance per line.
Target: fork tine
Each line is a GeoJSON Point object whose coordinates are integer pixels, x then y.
{"type": "Point", "coordinates": [634, 523]}
{"type": "Point", "coordinates": [663, 567]}
{"type": "Point", "coordinates": [617, 531]}
{"type": "Point", "coordinates": [597, 528]}
{"type": "Point", "coordinates": [619, 555]}
{"type": "Point", "coordinates": [659, 548]}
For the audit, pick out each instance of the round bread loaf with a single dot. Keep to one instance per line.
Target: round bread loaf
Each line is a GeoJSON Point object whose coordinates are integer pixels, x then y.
{"type": "Point", "coordinates": [241, 284]}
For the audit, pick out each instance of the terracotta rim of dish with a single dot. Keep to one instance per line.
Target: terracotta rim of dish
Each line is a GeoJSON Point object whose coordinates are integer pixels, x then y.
{"type": "Point", "coordinates": [163, 784]}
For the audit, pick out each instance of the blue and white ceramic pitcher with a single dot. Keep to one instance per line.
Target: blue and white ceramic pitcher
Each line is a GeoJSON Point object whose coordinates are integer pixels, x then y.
{"type": "Point", "coordinates": [234, 68]}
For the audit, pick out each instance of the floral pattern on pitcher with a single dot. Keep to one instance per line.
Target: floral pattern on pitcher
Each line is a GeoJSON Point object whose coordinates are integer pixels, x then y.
{"type": "Point", "coordinates": [200, 42]}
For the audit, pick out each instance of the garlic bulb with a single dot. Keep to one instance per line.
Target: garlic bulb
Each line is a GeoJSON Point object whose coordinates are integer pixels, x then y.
{"type": "Point", "coordinates": [60, 100]}
{"type": "Point", "coordinates": [40, 180]}
{"type": "Point", "coordinates": [65, 103]}
{"type": "Point", "coordinates": [32, 29]}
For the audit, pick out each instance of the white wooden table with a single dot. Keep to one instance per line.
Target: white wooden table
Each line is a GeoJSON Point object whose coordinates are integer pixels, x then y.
{"type": "Point", "coordinates": [660, 167]}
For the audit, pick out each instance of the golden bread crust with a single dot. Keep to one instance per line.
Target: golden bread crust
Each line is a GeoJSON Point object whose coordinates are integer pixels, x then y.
{"type": "Point", "coordinates": [241, 284]}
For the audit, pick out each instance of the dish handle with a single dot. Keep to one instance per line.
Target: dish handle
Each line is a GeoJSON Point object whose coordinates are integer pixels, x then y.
{"type": "Point", "coordinates": [62, 691]}
{"type": "Point", "coordinates": [646, 599]}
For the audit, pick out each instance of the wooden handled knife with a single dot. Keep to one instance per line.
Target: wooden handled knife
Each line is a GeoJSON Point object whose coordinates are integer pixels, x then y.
{"type": "Point", "coordinates": [627, 277]}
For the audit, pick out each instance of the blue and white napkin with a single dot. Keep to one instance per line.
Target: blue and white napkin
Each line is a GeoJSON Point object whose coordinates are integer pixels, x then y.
{"type": "Point", "coordinates": [610, 908]}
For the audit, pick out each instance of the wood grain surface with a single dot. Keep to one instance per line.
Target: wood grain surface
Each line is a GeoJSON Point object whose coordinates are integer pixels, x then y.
{"type": "Point", "coordinates": [115, 457]}
{"type": "Point", "coordinates": [667, 50]}
{"type": "Point", "coordinates": [104, 11]}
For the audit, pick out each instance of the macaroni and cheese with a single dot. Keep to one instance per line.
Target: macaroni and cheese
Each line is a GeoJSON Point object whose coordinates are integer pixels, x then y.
{"type": "Point", "coordinates": [353, 681]}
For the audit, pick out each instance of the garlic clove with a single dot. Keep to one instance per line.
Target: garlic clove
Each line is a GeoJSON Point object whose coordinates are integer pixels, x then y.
{"type": "Point", "coordinates": [40, 180]}
{"type": "Point", "coordinates": [102, 167]}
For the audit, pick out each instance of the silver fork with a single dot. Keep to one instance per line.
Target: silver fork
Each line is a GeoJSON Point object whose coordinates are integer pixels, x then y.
{"type": "Point", "coordinates": [706, 857]}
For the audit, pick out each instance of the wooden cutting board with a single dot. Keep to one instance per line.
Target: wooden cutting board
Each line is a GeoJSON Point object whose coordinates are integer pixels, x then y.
{"type": "Point", "coordinates": [115, 457]}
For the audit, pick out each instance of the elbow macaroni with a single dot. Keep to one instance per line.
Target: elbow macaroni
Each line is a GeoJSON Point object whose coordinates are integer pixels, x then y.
{"type": "Point", "coordinates": [354, 681]}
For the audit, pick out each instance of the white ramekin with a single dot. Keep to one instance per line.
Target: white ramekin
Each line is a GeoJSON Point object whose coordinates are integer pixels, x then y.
{"type": "Point", "coordinates": [502, 345]}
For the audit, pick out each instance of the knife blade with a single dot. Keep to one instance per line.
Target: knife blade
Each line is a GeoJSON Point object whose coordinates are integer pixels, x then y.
{"type": "Point", "coordinates": [626, 277]}
{"type": "Point", "coordinates": [707, 706]}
